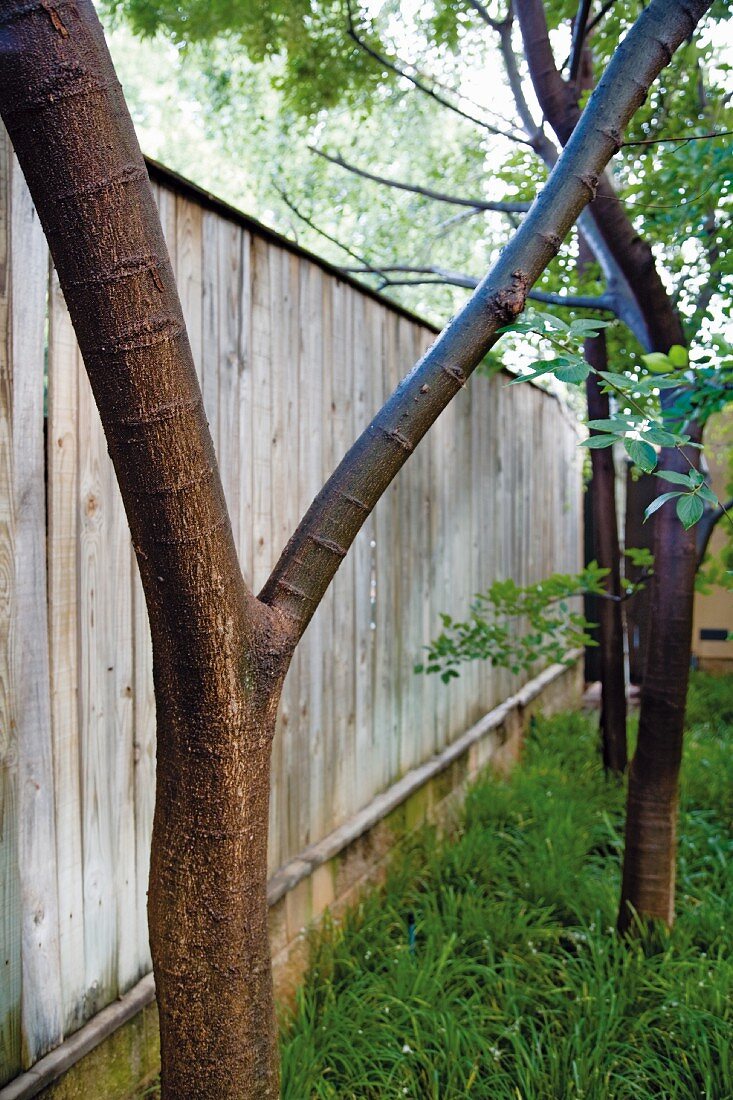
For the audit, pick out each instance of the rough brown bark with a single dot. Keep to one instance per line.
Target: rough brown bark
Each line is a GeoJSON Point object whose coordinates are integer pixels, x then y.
{"type": "Point", "coordinates": [651, 821]}
{"type": "Point", "coordinates": [220, 655]}
{"type": "Point", "coordinates": [605, 532]}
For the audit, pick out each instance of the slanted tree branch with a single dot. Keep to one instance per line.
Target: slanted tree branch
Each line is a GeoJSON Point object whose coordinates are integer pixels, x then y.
{"type": "Point", "coordinates": [482, 11]}
{"type": "Point", "coordinates": [322, 539]}
{"type": "Point", "coordinates": [518, 207]}
{"type": "Point", "coordinates": [626, 306]}
{"type": "Point", "coordinates": [630, 253]}
{"type": "Point", "coordinates": [420, 85]}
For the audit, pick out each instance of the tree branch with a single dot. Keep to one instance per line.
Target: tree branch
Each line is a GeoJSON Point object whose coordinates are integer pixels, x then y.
{"type": "Point", "coordinates": [316, 549]}
{"type": "Point", "coordinates": [420, 85]}
{"type": "Point", "coordinates": [597, 18]}
{"type": "Point", "coordinates": [482, 12]}
{"type": "Point", "coordinates": [439, 196]}
{"type": "Point", "coordinates": [327, 236]}
{"type": "Point", "coordinates": [579, 32]}
{"type": "Point", "coordinates": [602, 303]}
{"type": "Point", "coordinates": [660, 325]}
{"type": "Point", "coordinates": [682, 140]}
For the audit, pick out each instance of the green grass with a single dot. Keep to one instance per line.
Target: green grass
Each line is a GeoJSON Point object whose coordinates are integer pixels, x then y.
{"type": "Point", "coordinates": [516, 986]}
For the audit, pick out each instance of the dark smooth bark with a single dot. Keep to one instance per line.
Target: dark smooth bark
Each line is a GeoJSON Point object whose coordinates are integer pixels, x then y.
{"type": "Point", "coordinates": [220, 655]}
{"type": "Point", "coordinates": [605, 531]}
{"type": "Point", "coordinates": [648, 884]}
{"type": "Point", "coordinates": [633, 255]}
{"type": "Point", "coordinates": [648, 887]}
{"type": "Point", "coordinates": [640, 492]}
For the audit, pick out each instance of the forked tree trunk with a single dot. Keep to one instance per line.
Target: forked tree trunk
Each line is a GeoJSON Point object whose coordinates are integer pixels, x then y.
{"type": "Point", "coordinates": [219, 653]}
{"type": "Point", "coordinates": [648, 888]}
{"type": "Point", "coordinates": [605, 532]}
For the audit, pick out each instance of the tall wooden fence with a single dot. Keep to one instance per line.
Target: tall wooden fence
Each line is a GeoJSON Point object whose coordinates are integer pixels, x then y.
{"type": "Point", "coordinates": [293, 361]}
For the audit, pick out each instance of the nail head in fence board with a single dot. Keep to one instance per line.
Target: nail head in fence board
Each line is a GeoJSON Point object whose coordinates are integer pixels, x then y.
{"type": "Point", "coordinates": [41, 1000]}
{"type": "Point", "coordinates": [64, 368]}
{"type": "Point", "coordinates": [10, 911]}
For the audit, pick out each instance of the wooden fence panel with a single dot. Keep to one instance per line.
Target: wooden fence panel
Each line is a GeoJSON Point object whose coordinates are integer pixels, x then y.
{"type": "Point", "coordinates": [293, 363]}
{"type": "Point", "coordinates": [10, 909]}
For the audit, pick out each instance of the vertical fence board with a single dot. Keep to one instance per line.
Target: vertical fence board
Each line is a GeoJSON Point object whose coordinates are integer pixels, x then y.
{"type": "Point", "coordinates": [97, 759]}
{"type": "Point", "coordinates": [188, 230]}
{"type": "Point", "coordinates": [63, 534]}
{"type": "Point", "coordinates": [310, 373]}
{"type": "Point", "coordinates": [41, 1001]}
{"type": "Point", "coordinates": [119, 729]}
{"type": "Point", "coordinates": [10, 906]}
{"type": "Point", "coordinates": [338, 331]}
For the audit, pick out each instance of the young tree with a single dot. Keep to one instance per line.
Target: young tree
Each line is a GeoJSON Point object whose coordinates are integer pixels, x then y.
{"type": "Point", "coordinates": [220, 652]}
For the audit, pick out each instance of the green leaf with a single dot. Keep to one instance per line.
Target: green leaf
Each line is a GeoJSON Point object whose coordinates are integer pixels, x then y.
{"type": "Point", "coordinates": [658, 502]}
{"type": "Point", "coordinates": [623, 381]}
{"type": "Point", "coordinates": [678, 356]}
{"type": "Point", "coordinates": [660, 436]}
{"type": "Point", "coordinates": [595, 442]}
{"type": "Point", "coordinates": [586, 326]}
{"type": "Point", "coordinates": [657, 363]}
{"type": "Point", "coordinates": [675, 478]}
{"type": "Point", "coordinates": [706, 493]}
{"type": "Point", "coordinates": [642, 454]}
{"type": "Point", "coordinates": [613, 425]}
{"type": "Point", "coordinates": [575, 374]}
{"type": "Point", "coordinates": [689, 509]}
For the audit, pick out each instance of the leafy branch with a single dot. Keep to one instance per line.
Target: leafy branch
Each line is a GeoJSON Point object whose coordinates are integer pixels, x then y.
{"type": "Point", "coordinates": [638, 430]}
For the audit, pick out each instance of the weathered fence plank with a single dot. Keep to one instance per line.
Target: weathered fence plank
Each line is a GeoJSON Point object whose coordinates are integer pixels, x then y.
{"type": "Point", "coordinates": [41, 1000]}
{"type": "Point", "coordinates": [64, 369]}
{"type": "Point", "coordinates": [10, 909]}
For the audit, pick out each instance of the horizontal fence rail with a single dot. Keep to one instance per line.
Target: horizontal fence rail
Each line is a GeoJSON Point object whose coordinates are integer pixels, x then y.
{"type": "Point", "coordinates": [293, 361]}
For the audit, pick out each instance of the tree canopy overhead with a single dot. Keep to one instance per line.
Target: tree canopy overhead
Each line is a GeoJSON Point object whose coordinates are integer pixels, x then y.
{"type": "Point", "coordinates": [421, 94]}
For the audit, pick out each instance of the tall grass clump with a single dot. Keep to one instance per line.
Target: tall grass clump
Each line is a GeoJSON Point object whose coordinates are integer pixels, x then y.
{"type": "Point", "coordinates": [488, 965]}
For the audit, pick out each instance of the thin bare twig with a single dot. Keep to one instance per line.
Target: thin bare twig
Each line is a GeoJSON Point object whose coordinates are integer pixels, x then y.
{"type": "Point", "coordinates": [401, 70]}
{"type": "Point", "coordinates": [431, 275]}
{"type": "Point", "coordinates": [427, 192]}
{"type": "Point", "coordinates": [681, 140]}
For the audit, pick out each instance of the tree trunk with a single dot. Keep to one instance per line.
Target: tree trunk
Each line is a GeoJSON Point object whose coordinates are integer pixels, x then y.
{"type": "Point", "coordinates": [606, 545]}
{"type": "Point", "coordinates": [207, 905]}
{"type": "Point", "coordinates": [605, 530]}
{"type": "Point", "coordinates": [651, 822]}
{"type": "Point", "coordinates": [652, 807]}
{"type": "Point", "coordinates": [638, 533]}
{"type": "Point", "coordinates": [219, 655]}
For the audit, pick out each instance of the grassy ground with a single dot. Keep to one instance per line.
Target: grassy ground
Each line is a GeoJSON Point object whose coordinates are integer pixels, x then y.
{"type": "Point", "coordinates": [488, 966]}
